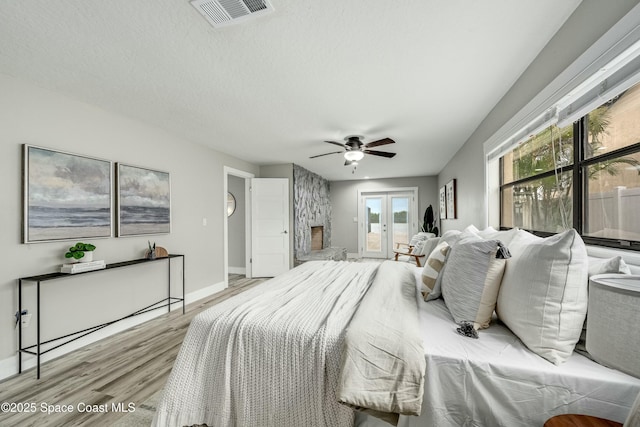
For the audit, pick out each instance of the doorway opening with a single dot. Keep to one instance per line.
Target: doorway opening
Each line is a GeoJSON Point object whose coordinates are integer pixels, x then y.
{"type": "Point", "coordinates": [386, 218]}
{"type": "Point", "coordinates": [237, 225]}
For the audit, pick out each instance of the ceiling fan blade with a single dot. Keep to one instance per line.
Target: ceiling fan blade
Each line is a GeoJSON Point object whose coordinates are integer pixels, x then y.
{"type": "Point", "coordinates": [380, 153]}
{"type": "Point", "coordinates": [336, 143]}
{"type": "Point", "coordinates": [383, 141]}
{"type": "Point", "coordinates": [326, 154]}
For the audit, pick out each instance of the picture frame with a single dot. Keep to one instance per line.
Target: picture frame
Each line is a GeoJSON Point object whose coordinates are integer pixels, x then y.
{"type": "Point", "coordinates": [443, 202]}
{"type": "Point", "coordinates": [452, 207]}
{"type": "Point", "coordinates": [143, 201]}
{"type": "Point", "coordinates": [66, 196]}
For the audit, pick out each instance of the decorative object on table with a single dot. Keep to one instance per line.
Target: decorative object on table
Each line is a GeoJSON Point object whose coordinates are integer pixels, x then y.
{"type": "Point", "coordinates": [144, 201]}
{"type": "Point", "coordinates": [81, 252]}
{"type": "Point", "coordinates": [155, 251]}
{"type": "Point", "coordinates": [81, 267]}
{"type": "Point", "coordinates": [429, 222]}
{"type": "Point", "coordinates": [66, 196]}
{"type": "Point", "coordinates": [231, 204]}
{"type": "Point", "coordinates": [452, 207]}
{"type": "Point", "coordinates": [443, 202]}
{"type": "Point", "coordinates": [151, 253]}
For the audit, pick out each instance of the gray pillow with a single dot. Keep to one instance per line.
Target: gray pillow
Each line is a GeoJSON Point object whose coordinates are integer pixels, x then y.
{"type": "Point", "coordinates": [471, 280]}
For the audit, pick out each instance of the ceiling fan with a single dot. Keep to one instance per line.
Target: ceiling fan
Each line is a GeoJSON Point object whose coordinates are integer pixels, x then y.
{"type": "Point", "coordinates": [354, 149]}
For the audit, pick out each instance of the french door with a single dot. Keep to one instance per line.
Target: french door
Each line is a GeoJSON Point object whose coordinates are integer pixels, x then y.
{"type": "Point", "coordinates": [385, 218]}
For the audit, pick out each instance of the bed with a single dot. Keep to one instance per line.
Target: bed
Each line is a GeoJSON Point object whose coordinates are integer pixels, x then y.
{"type": "Point", "coordinates": [275, 356]}
{"type": "Point", "coordinates": [496, 381]}
{"type": "Point", "coordinates": [272, 356]}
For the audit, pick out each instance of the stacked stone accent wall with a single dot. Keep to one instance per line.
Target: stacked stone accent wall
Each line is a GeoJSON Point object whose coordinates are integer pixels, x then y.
{"type": "Point", "coordinates": [311, 207]}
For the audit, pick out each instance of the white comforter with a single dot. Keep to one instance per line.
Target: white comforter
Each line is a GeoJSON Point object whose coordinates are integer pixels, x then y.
{"type": "Point", "coordinates": [383, 359]}
{"type": "Point", "coordinates": [270, 356]}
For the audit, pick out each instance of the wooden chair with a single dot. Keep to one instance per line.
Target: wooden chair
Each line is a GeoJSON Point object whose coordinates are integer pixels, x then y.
{"type": "Point", "coordinates": [414, 249]}
{"type": "Point", "coordinates": [408, 250]}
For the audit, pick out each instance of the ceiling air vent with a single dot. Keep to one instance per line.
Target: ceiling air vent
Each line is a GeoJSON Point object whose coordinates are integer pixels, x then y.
{"type": "Point", "coordinates": [221, 13]}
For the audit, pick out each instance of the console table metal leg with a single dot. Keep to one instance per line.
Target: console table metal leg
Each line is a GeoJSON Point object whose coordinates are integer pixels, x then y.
{"type": "Point", "coordinates": [19, 326]}
{"type": "Point", "coordinates": [184, 297]}
{"type": "Point", "coordinates": [169, 289]}
{"type": "Point", "coordinates": [38, 314]}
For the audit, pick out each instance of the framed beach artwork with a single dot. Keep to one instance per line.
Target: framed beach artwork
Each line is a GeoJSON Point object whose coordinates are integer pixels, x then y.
{"type": "Point", "coordinates": [144, 201]}
{"type": "Point", "coordinates": [65, 196]}
{"type": "Point", "coordinates": [452, 207]}
{"type": "Point", "coordinates": [443, 203]}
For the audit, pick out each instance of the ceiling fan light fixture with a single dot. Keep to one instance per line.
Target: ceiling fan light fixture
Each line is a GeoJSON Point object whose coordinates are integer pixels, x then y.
{"type": "Point", "coordinates": [354, 156]}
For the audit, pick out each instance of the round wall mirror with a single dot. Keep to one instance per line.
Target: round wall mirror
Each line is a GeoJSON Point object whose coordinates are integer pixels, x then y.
{"type": "Point", "coordinates": [231, 204]}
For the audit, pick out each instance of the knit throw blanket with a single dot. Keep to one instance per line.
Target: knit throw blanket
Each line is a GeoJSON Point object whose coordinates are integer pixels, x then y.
{"type": "Point", "coordinates": [269, 356]}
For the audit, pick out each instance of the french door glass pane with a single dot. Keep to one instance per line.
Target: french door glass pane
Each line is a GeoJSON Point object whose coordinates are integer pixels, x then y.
{"type": "Point", "coordinates": [373, 209]}
{"type": "Point", "coordinates": [613, 191]}
{"type": "Point", "coordinates": [400, 219]}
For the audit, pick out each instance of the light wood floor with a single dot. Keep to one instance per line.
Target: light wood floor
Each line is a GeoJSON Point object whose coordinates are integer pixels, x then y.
{"type": "Point", "coordinates": [125, 368]}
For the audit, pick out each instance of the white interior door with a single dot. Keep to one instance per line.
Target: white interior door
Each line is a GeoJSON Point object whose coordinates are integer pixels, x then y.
{"type": "Point", "coordinates": [269, 226]}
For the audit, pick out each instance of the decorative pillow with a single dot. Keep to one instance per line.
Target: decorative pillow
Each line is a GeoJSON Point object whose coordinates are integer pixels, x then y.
{"type": "Point", "coordinates": [543, 297]}
{"type": "Point", "coordinates": [429, 245]}
{"type": "Point", "coordinates": [505, 236]}
{"type": "Point", "coordinates": [432, 269]}
{"type": "Point", "coordinates": [451, 237]}
{"type": "Point", "coordinates": [420, 237]}
{"type": "Point", "coordinates": [471, 280]}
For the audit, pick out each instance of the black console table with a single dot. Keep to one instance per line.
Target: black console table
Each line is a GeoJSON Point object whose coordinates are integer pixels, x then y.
{"type": "Point", "coordinates": [79, 334]}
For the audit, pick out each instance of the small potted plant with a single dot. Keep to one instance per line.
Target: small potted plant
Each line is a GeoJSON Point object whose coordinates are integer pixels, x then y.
{"type": "Point", "coordinates": [81, 252]}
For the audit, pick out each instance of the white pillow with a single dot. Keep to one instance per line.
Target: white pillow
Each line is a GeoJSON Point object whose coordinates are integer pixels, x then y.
{"type": "Point", "coordinates": [432, 268]}
{"type": "Point", "coordinates": [451, 237]}
{"type": "Point", "coordinates": [429, 246]}
{"type": "Point", "coordinates": [471, 280]}
{"type": "Point", "coordinates": [505, 236]}
{"type": "Point", "coordinates": [543, 296]}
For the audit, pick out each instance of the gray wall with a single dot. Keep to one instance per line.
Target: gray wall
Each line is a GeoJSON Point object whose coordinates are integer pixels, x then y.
{"type": "Point", "coordinates": [344, 201]}
{"type": "Point", "coordinates": [44, 118]}
{"type": "Point", "coordinates": [236, 225]}
{"type": "Point", "coordinates": [587, 24]}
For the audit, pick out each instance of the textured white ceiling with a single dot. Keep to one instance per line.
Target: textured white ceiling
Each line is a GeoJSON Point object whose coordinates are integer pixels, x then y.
{"type": "Point", "coordinates": [423, 72]}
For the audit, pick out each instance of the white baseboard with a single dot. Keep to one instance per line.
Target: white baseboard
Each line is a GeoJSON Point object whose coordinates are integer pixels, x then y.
{"type": "Point", "coordinates": [204, 292]}
{"type": "Point", "coordinates": [237, 270]}
{"type": "Point", "coordinates": [9, 366]}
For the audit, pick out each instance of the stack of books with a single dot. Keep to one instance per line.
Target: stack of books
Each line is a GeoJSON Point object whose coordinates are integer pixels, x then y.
{"type": "Point", "coordinates": [81, 267]}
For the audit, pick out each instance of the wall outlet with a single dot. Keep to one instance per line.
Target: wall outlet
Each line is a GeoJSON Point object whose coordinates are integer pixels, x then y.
{"type": "Point", "coordinates": [26, 319]}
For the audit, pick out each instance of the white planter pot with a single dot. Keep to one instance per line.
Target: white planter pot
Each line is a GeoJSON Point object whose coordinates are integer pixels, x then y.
{"type": "Point", "coordinates": [88, 257]}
